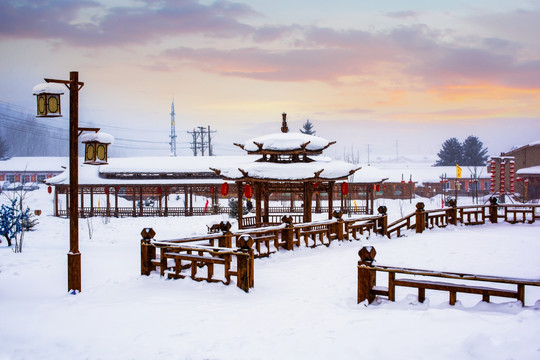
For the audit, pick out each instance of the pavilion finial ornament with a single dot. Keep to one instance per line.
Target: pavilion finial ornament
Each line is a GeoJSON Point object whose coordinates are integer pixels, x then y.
{"type": "Point", "coordinates": [284, 127]}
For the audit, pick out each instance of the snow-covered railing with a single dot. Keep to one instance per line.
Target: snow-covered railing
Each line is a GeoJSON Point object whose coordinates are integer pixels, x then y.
{"type": "Point", "coordinates": [368, 289]}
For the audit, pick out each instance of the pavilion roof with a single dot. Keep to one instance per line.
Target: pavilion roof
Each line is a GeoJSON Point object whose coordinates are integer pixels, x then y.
{"type": "Point", "coordinates": [321, 168]}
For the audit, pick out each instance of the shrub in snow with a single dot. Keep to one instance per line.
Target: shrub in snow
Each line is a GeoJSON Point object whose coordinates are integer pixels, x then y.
{"type": "Point", "coordinates": [233, 205]}
{"type": "Point", "coordinates": [13, 221]}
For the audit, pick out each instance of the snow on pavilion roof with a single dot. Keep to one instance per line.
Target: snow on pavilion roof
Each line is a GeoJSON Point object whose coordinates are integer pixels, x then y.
{"type": "Point", "coordinates": [322, 168]}
{"type": "Point", "coordinates": [289, 141]}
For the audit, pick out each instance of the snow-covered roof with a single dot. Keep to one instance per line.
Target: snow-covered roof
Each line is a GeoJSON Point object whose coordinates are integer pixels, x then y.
{"type": "Point", "coordinates": [322, 167]}
{"type": "Point", "coordinates": [421, 172]}
{"type": "Point", "coordinates": [34, 164]}
{"type": "Point", "coordinates": [99, 136]}
{"type": "Point", "coordinates": [533, 170]}
{"type": "Point", "coordinates": [48, 88]}
{"type": "Point", "coordinates": [286, 142]}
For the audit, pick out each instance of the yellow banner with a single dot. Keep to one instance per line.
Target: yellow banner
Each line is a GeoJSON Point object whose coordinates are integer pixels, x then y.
{"type": "Point", "coordinates": [458, 171]}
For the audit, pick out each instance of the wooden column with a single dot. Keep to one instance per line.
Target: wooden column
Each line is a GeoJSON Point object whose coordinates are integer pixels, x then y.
{"type": "Point", "coordinates": [141, 213]}
{"type": "Point", "coordinates": [82, 203]}
{"type": "Point", "coordinates": [191, 200]}
{"type": "Point", "coordinates": [91, 201]}
{"type": "Point", "coordinates": [166, 193]}
{"type": "Point", "coordinates": [330, 199]}
{"type": "Point", "coordinates": [258, 208]}
{"type": "Point", "coordinates": [308, 197]}
{"type": "Point", "coordinates": [372, 200]}
{"type": "Point", "coordinates": [185, 201]}
{"type": "Point", "coordinates": [133, 190]}
{"type": "Point", "coordinates": [56, 201]}
{"type": "Point", "coordinates": [240, 193]}
{"type": "Point", "coordinates": [266, 197]}
{"type": "Point", "coordinates": [160, 202]}
{"type": "Point", "coordinates": [108, 211]}
{"type": "Point", "coordinates": [116, 211]}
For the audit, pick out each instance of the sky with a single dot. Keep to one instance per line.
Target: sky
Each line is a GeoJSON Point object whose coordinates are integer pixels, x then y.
{"type": "Point", "coordinates": [382, 78]}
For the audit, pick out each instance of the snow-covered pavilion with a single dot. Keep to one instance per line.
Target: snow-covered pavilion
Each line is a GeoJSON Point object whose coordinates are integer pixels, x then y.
{"type": "Point", "coordinates": [285, 165]}
{"type": "Point", "coordinates": [289, 162]}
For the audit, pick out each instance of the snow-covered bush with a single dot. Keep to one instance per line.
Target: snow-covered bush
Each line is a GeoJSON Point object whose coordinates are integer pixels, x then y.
{"type": "Point", "coordinates": [13, 221]}
{"type": "Point", "coordinates": [233, 205]}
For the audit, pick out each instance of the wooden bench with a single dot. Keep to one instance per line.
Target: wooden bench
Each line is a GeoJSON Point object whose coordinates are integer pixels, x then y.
{"type": "Point", "coordinates": [368, 289]}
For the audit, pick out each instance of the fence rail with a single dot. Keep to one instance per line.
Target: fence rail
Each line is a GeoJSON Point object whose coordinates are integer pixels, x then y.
{"type": "Point", "coordinates": [175, 254]}
{"type": "Point", "coordinates": [368, 289]}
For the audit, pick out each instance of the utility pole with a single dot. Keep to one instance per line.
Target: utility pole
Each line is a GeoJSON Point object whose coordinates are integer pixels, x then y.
{"type": "Point", "coordinates": [199, 141]}
{"type": "Point", "coordinates": [201, 129]}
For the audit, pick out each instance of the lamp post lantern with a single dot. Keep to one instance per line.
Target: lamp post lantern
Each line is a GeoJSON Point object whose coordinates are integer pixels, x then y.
{"type": "Point", "coordinates": [51, 108]}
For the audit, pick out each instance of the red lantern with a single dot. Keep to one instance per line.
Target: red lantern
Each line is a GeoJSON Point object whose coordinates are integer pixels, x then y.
{"type": "Point", "coordinates": [49, 189]}
{"type": "Point", "coordinates": [224, 189]}
{"type": "Point", "coordinates": [159, 190]}
{"type": "Point", "coordinates": [106, 190]}
{"type": "Point", "coordinates": [248, 191]}
{"type": "Point", "coordinates": [344, 188]}
{"type": "Point", "coordinates": [378, 187]}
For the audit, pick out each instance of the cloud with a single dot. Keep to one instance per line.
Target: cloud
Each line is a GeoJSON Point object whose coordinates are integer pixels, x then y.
{"type": "Point", "coordinates": [56, 20]}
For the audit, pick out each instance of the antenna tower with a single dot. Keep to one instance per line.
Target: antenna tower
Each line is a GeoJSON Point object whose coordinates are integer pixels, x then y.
{"type": "Point", "coordinates": [173, 131]}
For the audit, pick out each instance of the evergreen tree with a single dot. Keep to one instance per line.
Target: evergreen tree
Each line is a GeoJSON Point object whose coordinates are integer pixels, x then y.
{"type": "Point", "coordinates": [474, 154]}
{"type": "Point", "coordinates": [308, 128]}
{"type": "Point", "coordinates": [451, 153]}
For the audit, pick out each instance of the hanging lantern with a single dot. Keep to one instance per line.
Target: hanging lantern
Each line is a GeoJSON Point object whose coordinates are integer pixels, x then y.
{"type": "Point", "coordinates": [378, 187]}
{"type": "Point", "coordinates": [344, 188]}
{"type": "Point", "coordinates": [224, 189]}
{"type": "Point", "coordinates": [96, 145]}
{"type": "Point", "coordinates": [48, 99]}
{"type": "Point", "coordinates": [159, 190]}
{"type": "Point", "coordinates": [248, 191]}
{"type": "Point", "coordinates": [49, 189]}
{"type": "Point", "coordinates": [316, 188]}
{"type": "Point", "coordinates": [106, 190]}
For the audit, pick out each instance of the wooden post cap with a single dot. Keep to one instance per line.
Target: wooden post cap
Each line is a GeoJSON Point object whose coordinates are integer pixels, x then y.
{"type": "Point", "coordinates": [382, 210]}
{"type": "Point", "coordinates": [337, 214]}
{"type": "Point", "coordinates": [493, 200]}
{"type": "Point", "coordinates": [244, 242]}
{"type": "Point", "coordinates": [452, 203]}
{"type": "Point", "coordinates": [148, 233]}
{"type": "Point", "coordinates": [420, 206]}
{"type": "Point", "coordinates": [225, 226]}
{"type": "Point", "coordinates": [367, 253]}
{"type": "Point", "coordinates": [287, 219]}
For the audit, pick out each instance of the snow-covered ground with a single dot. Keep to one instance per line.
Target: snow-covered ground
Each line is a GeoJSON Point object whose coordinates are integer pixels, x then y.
{"type": "Point", "coordinates": [303, 305]}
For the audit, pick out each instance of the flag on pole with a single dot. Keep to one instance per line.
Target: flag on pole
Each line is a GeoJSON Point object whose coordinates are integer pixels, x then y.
{"type": "Point", "coordinates": [458, 171]}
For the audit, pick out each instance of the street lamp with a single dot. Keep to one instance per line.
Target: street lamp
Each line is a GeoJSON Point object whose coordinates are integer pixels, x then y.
{"type": "Point", "coordinates": [48, 105]}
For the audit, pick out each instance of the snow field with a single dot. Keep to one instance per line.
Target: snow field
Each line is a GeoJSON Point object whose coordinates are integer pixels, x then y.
{"type": "Point", "coordinates": [303, 304]}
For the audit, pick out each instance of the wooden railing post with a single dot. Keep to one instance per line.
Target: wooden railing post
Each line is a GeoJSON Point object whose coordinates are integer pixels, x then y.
{"type": "Point", "coordinates": [226, 240]}
{"type": "Point", "coordinates": [366, 277]}
{"type": "Point", "coordinates": [420, 217]}
{"type": "Point", "coordinates": [245, 263]}
{"type": "Point", "coordinates": [287, 234]}
{"type": "Point", "coordinates": [338, 226]}
{"type": "Point", "coordinates": [383, 221]}
{"type": "Point", "coordinates": [493, 209]}
{"type": "Point", "coordinates": [148, 251]}
{"type": "Point", "coordinates": [452, 212]}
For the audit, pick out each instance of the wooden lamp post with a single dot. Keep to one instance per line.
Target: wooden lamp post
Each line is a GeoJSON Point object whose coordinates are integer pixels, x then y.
{"type": "Point", "coordinates": [48, 105]}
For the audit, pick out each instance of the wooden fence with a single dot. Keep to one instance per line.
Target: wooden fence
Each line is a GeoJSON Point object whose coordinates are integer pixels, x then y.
{"type": "Point", "coordinates": [368, 289]}
{"type": "Point", "coordinates": [221, 248]}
